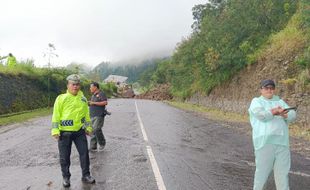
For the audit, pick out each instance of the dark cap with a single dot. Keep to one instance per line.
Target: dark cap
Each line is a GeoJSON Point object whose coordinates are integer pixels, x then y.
{"type": "Point", "coordinates": [74, 78]}
{"type": "Point", "coordinates": [267, 82]}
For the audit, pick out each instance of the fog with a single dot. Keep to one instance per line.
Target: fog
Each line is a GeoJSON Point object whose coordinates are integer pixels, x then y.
{"type": "Point", "coordinates": [93, 31]}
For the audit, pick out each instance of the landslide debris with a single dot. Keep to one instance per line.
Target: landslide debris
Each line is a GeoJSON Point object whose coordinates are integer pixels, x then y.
{"type": "Point", "coordinates": [160, 92]}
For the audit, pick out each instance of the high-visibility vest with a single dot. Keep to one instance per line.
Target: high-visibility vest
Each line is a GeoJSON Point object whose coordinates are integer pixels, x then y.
{"type": "Point", "coordinates": [70, 113]}
{"type": "Point", "coordinates": [11, 62]}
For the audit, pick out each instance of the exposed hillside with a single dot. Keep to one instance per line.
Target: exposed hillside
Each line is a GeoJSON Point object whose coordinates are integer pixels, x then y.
{"type": "Point", "coordinates": [235, 95]}
{"type": "Point", "coordinates": [284, 59]}
{"type": "Point", "coordinates": [234, 45]}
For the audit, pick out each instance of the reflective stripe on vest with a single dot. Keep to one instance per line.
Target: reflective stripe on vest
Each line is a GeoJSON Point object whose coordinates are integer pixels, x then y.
{"type": "Point", "coordinates": [67, 123]}
{"type": "Point", "coordinates": [55, 124]}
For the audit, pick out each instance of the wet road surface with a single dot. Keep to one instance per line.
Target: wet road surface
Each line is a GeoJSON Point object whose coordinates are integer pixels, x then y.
{"type": "Point", "coordinates": [150, 145]}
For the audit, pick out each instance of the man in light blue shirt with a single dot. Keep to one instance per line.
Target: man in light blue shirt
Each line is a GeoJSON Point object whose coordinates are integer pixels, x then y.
{"type": "Point", "coordinates": [269, 120]}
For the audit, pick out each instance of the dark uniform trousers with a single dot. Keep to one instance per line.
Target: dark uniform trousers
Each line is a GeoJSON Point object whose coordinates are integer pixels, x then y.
{"type": "Point", "coordinates": [98, 137]}
{"type": "Point", "coordinates": [64, 146]}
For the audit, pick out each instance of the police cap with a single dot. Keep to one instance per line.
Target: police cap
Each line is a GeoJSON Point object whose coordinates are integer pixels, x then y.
{"type": "Point", "coordinates": [74, 78]}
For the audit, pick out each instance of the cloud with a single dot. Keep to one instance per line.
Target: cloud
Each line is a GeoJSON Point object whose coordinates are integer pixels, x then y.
{"type": "Point", "coordinates": [93, 31]}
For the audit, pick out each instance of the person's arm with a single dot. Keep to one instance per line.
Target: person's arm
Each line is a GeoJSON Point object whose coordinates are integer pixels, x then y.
{"type": "Point", "coordinates": [259, 112]}
{"type": "Point", "coordinates": [103, 101]}
{"type": "Point", "coordinates": [87, 124]}
{"type": "Point", "coordinates": [56, 119]}
{"type": "Point", "coordinates": [3, 57]}
{"type": "Point", "coordinates": [289, 116]}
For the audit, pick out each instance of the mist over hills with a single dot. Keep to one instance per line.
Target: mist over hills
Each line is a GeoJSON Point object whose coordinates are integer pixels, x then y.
{"type": "Point", "coordinates": [133, 69]}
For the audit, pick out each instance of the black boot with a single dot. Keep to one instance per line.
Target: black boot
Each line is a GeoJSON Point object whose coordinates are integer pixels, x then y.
{"type": "Point", "coordinates": [88, 179]}
{"type": "Point", "coordinates": [66, 182]}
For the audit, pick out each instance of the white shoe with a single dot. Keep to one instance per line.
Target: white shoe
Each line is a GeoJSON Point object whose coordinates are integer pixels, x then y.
{"type": "Point", "coordinates": [93, 149]}
{"type": "Point", "coordinates": [100, 148]}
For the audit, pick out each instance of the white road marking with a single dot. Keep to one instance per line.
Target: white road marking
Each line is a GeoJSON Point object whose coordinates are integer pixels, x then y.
{"type": "Point", "coordinates": [141, 124]}
{"type": "Point", "coordinates": [158, 177]}
{"type": "Point", "coordinates": [300, 173]}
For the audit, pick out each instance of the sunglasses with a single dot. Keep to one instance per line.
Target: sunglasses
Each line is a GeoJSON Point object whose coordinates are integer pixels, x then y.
{"type": "Point", "coordinates": [75, 84]}
{"type": "Point", "coordinates": [268, 88]}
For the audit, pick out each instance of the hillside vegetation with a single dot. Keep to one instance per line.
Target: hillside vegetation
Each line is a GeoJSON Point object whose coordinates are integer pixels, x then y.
{"type": "Point", "coordinates": [26, 87]}
{"type": "Point", "coordinates": [231, 35]}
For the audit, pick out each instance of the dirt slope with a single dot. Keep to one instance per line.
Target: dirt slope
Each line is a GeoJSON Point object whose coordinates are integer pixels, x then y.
{"type": "Point", "coordinates": [275, 63]}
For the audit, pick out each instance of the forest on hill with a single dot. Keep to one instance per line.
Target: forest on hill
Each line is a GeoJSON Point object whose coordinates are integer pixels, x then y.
{"type": "Point", "coordinates": [134, 71]}
{"type": "Point", "coordinates": [230, 35]}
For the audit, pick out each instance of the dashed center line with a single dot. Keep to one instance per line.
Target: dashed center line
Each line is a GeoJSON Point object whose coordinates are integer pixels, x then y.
{"type": "Point", "coordinates": [141, 124]}
{"type": "Point", "coordinates": [158, 177]}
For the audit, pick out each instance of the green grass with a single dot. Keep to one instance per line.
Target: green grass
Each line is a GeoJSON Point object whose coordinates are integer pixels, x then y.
{"type": "Point", "coordinates": [300, 131]}
{"type": "Point", "coordinates": [213, 113]}
{"type": "Point", "coordinates": [296, 130]}
{"type": "Point", "coordinates": [24, 116]}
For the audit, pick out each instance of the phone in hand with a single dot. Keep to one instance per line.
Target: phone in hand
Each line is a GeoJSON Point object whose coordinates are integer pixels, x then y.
{"type": "Point", "coordinates": [288, 109]}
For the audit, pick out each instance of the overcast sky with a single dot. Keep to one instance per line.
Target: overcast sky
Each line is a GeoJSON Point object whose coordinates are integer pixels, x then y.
{"type": "Point", "coordinates": [92, 31]}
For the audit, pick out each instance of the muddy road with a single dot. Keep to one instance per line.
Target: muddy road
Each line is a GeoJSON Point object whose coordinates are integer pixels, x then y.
{"type": "Point", "coordinates": [150, 146]}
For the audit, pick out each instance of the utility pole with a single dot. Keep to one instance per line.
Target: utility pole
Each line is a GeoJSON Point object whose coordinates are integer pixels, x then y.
{"type": "Point", "coordinates": [49, 54]}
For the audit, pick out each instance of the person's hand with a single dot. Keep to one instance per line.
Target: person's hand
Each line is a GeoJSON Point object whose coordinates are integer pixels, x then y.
{"type": "Point", "coordinates": [56, 137]}
{"type": "Point", "coordinates": [90, 103]}
{"type": "Point", "coordinates": [279, 111]}
{"type": "Point", "coordinates": [88, 133]}
{"type": "Point", "coordinates": [276, 110]}
{"type": "Point", "coordinates": [284, 114]}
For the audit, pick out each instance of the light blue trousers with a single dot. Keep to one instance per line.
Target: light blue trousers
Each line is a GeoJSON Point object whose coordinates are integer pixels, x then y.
{"type": "Point", "coordinates": [274, 157]}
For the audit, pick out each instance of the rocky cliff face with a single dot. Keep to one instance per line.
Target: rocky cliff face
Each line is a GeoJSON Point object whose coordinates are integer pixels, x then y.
{"type": "Point", "coordinates": [236, 94]}
{"type": "Point", "coordinates": [20, 93]}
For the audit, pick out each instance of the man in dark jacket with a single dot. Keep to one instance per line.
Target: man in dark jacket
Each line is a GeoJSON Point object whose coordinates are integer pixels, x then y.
{"type": "Point", "coordinates": [97, 113]}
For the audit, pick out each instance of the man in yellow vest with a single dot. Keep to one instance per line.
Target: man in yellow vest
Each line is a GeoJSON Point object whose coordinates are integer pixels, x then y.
{"type": "Point", "coordinates": [71, 123]}
{"type": "Point", "coordinates": [11, 62]}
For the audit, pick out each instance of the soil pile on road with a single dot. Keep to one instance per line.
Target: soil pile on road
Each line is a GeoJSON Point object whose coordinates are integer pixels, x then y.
{"type": "Point", "coordinates": [160, 92]}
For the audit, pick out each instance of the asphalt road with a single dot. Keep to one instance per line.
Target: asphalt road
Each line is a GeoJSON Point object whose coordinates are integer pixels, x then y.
{"type": "Point", "coordinates": [150, 146]}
